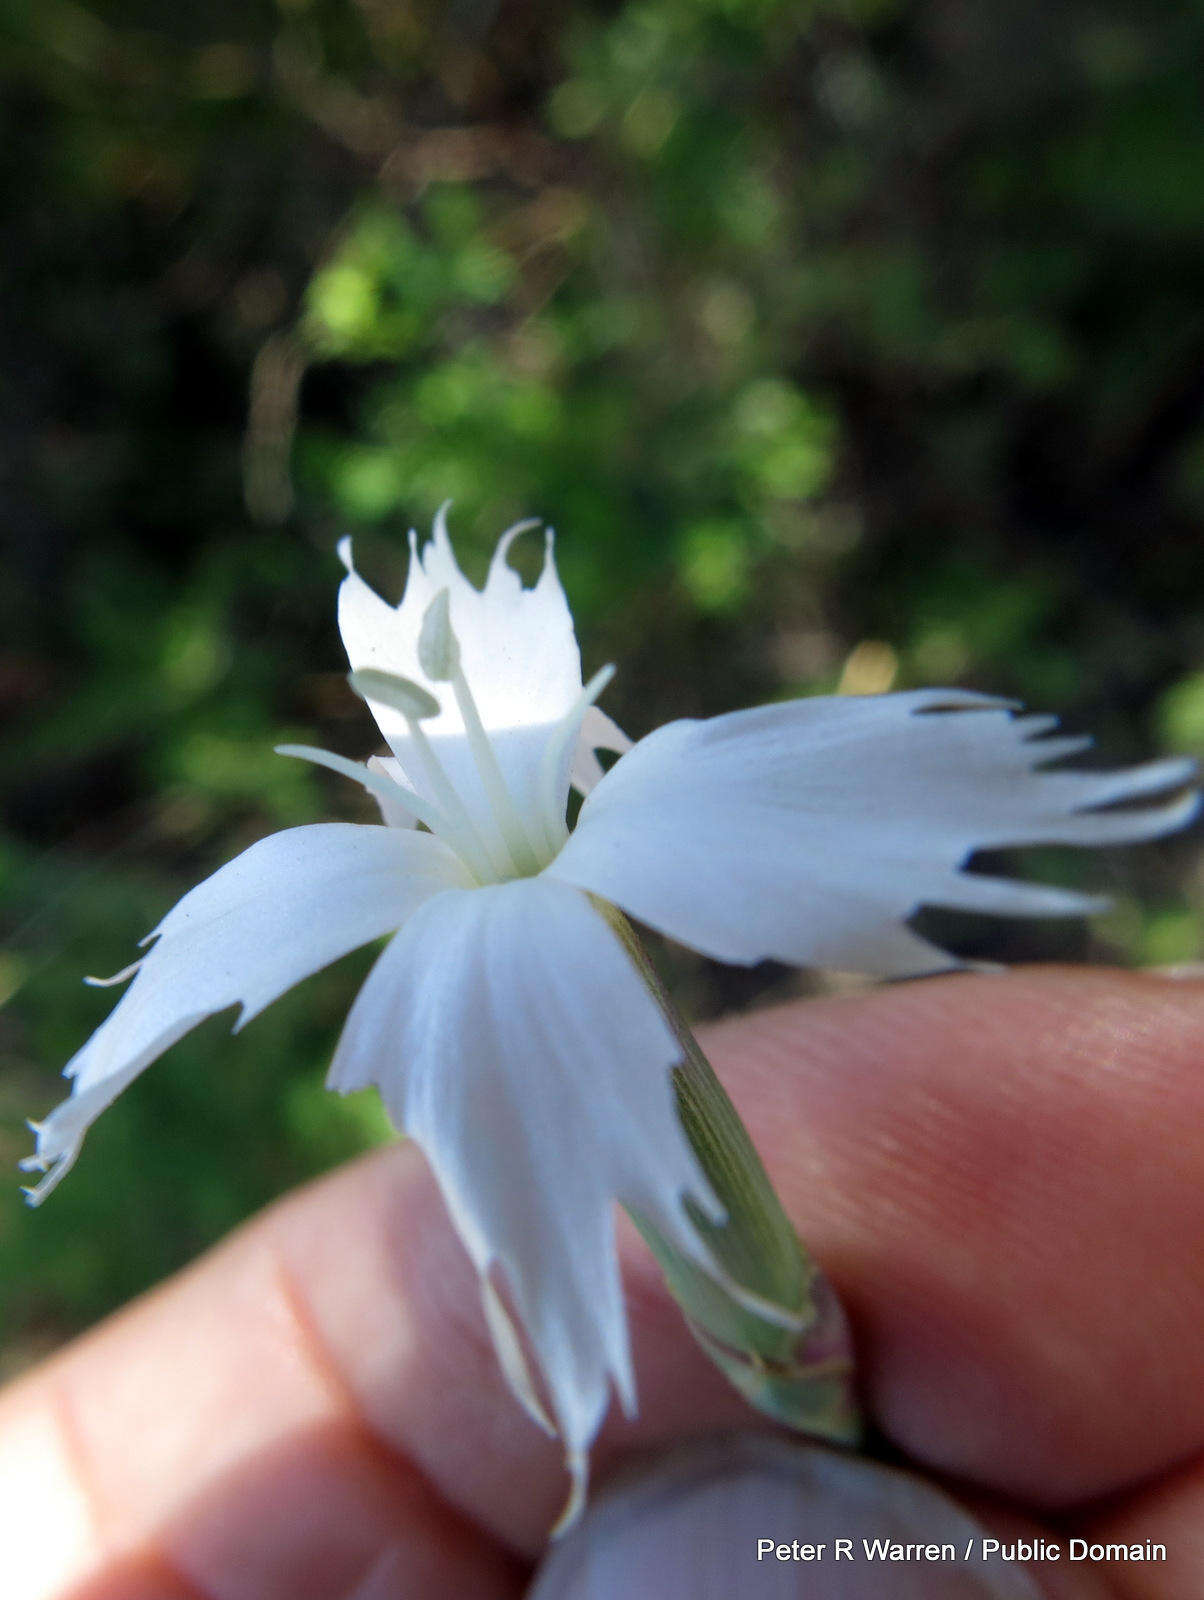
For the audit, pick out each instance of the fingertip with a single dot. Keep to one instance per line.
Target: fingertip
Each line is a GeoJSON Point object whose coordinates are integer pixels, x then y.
{"type": "Point", "coordinates": [757, 1514]}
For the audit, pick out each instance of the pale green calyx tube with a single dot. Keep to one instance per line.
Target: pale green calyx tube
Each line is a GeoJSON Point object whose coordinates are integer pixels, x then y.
{"type": "Point", "coordinates": [771, 1322]}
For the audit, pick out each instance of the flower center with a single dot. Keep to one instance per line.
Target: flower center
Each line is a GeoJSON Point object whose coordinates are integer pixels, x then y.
{"type": "Point", "coordinates": [517, 843]}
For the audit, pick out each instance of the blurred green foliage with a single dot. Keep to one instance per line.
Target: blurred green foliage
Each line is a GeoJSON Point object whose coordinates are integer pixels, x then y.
{"type": "Point", "coordinates": [850, 344]}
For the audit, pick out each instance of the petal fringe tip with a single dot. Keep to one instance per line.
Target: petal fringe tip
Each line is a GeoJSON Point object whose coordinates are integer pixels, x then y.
{"type": "Point", "coordinates": [117, 978]}
{"type": "Point", "coordinates": [576, 1464]}
{"type": "Point", "coordinates": [508, 1346]}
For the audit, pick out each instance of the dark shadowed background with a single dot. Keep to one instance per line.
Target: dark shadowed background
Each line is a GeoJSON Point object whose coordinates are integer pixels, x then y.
{"type": "Point", "coordinates": [856, 345]}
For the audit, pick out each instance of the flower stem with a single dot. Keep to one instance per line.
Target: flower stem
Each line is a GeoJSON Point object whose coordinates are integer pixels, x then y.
{"type": "Point", "coordinates": [768, 1317]}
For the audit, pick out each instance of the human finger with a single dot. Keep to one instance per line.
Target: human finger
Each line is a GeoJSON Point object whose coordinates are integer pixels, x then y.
{"type": "Point", "coordinates": [341, 1334]}
{"type": "Point", "coordinates": [767, 1515]}
{"type": "Point", "coordinates": [1005, 1178]}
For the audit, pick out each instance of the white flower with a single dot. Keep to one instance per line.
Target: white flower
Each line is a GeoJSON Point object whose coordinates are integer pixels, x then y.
{"type": "Point", "coordinates": [504, 1024]}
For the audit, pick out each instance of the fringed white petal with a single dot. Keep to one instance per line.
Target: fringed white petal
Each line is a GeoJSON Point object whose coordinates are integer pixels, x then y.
{"type": "Point", "coordinates": [514, 1042]}
{"type": "Point", "coordinates": [518, 652]}
{"type": "Point", "coordinates": [283, 909]}
{"type": "Point", "coordinates": [809, 832]}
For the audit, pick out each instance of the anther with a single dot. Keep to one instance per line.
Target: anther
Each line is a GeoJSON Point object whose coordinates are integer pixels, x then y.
{"type": "Point", "coordinates": [438, 647]}
{"type": "Point", "coordinates": [390, 689]}
{"type": "Point", "coordinates": [439, 658]}
{"type": "Point", "coordinates": [416, 705]}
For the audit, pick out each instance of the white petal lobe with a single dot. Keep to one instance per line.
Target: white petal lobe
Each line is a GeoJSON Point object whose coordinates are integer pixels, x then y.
{"type": "Point", "coordinates": [517, 649]}
{"type": "Point", "coordinates": [810, 831]}
{"type": "Point", "coordinates": [513, 1041]}
{"type": "Point", "coordinates": [283, 909]}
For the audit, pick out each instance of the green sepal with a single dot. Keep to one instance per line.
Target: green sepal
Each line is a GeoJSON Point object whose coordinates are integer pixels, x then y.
{"type": "Point", "coordinates": [801, 1377]}
{"type": "Point", "coordinates": [769, 1319]}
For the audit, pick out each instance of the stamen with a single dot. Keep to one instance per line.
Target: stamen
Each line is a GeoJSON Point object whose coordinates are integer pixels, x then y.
{"type": "Point", "coordinates": [391, 689]}
{"type": "Point", "coordinates": [415, 703]}
{"type": "Point", "coordinates": [438, 779]}
{"type": "Point", "coordinates": [557, 751]}
{"type": "Point", "coordinates": [439, 657]}
{"type": "Point", "coordinates": [376, 783]}
{"type": "Point", "coordinates": [385, 789]}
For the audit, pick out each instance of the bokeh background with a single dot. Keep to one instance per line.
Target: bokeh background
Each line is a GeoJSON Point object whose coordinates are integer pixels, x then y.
{"type": "Point", "coordinates": [850, 344]}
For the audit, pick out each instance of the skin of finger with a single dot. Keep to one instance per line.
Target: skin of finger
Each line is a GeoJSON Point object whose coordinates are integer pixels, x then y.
{"type": "Point", "coordinates": [669, 1518]}
{"type": "Point", "coordinates": [1003, 1175]}
{"type": "Point", "coordinates": [1004, 1178]}
{"type": "Point", "coordinates": [1056, 1578]}
{"type": "Point", "coordinates": [200, 1443]}
{"type": "Point", "coordinates": [1170, 1512]}
{"type": "Point", "coordinates": [375, 1313]}
{"type": "Point", "coordinates": [223, 1457]}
